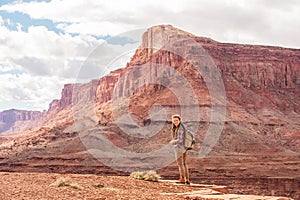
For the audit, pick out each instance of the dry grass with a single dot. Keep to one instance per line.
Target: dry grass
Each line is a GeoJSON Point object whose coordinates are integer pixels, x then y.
{"type": "Point", "coordinates": [146, 175]}
{"type": "Point", "coordinates": [65, 182]}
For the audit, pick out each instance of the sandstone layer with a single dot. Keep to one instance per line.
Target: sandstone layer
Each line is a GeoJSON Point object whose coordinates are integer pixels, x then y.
{"type": "Point", "coordinates": [249, 92]}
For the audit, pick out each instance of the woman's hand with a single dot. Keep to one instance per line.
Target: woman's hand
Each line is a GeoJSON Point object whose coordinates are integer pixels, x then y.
{"type": "Point", "coordinates": [173, 142]}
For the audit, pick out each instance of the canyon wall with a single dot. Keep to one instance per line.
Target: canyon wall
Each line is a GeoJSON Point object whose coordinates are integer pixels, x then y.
{"type": "Point", "coordinates": [262, 86]}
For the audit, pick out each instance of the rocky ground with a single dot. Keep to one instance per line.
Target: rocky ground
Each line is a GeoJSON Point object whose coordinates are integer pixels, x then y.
{"type": "Point", "coordinates": [29, 166]}
{"type": "Point", "coordinates": [78, 186]}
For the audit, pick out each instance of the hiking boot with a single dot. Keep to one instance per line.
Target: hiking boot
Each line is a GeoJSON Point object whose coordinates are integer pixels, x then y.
{"type": "Point", "coordinates": [181, 180]}
{"type": "Point", "coordinates": [187, 182]}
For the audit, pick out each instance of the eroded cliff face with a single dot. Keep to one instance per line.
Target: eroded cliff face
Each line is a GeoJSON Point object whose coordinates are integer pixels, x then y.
{"type": "Point", "coordinates": [253, 67]}
{"type": "Point", "coordinates": [9, 119]}
{"type": "Point", "coordinates": [262, 85]}
{"type": "Point", "coordinates": [259, 66]}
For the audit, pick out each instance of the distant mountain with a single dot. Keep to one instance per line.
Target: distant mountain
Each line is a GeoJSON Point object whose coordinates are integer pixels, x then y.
{"type": "Point", "coordinates": [12, 120]}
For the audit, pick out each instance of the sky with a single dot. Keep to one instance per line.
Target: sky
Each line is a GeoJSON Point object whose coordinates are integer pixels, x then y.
{"type": "Point", "coordinates": [45, 43]}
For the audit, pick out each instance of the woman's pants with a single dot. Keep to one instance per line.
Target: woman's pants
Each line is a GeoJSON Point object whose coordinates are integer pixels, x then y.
{"type": "Point", "coordinates": [181, 162]}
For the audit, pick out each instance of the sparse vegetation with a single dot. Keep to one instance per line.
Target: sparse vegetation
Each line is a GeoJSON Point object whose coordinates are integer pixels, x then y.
{"type": "Point", "coordinates": [137, 175]}
{"type": "Point", "coordinates": [65, 182]}
{"type": "Point", "coordinates": [98, 185]}
{"type": "Point", "coordinates": [61, 182]}
{"type": "Point", "coordinates": [146, 175]}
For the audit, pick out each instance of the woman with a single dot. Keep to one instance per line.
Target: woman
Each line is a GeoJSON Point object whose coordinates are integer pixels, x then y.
{"type": "Point", "coordinates": [181, 153]}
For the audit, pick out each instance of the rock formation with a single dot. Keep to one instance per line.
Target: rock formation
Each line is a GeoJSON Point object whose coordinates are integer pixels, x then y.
{"type": "Point", "coordinates": [262, 87]}
{"type": "Point", "coordinates": [262, 104]}
{"type": "Point", "coordinates": [12, 120]}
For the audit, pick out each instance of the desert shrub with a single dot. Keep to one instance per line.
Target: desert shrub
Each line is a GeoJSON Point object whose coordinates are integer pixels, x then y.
{"type": "Point", "coordinates": [76, 186]}
{"type": "Point", "coordinates": [146, 175]}
{"type": "Point", "coordinates": [61, 182]}
{"type": "Point", "coordinates": [65, 182]}
{"type": "Point", "coordinates": [137, 175]}
{"type": "Point", "coordinates": [151, 176]}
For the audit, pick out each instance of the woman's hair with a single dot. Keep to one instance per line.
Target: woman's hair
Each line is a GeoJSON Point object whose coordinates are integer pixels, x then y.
{"type": "Point", "coordinates": [173, 126]}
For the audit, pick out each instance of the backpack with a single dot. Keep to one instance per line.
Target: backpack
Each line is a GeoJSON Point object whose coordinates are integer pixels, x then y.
{"type": "Point", "coordinates": [188, 140]}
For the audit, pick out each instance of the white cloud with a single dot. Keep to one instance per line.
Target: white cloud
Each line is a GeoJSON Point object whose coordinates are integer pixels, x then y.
{"type": "Point", "coordinates": [259, 21]}
{"type": "Point", "coordinates": [35, 65]}
{"type": "Point", "coordinates": [25, 91]}
{"type": "Point", "coordinates": [95, 28]}
{"type": "Point", "coordinates": [43, 52]}
{"type": "Point", "coordinates": [40, 54]}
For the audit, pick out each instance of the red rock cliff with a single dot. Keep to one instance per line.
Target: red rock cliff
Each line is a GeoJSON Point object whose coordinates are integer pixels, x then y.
{"type": "Point", "coordinates": [262, 85]}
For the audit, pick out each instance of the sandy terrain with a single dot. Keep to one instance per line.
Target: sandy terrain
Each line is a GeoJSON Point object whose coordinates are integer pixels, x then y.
{"type": "Point", "coordinates": [77, 186]}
